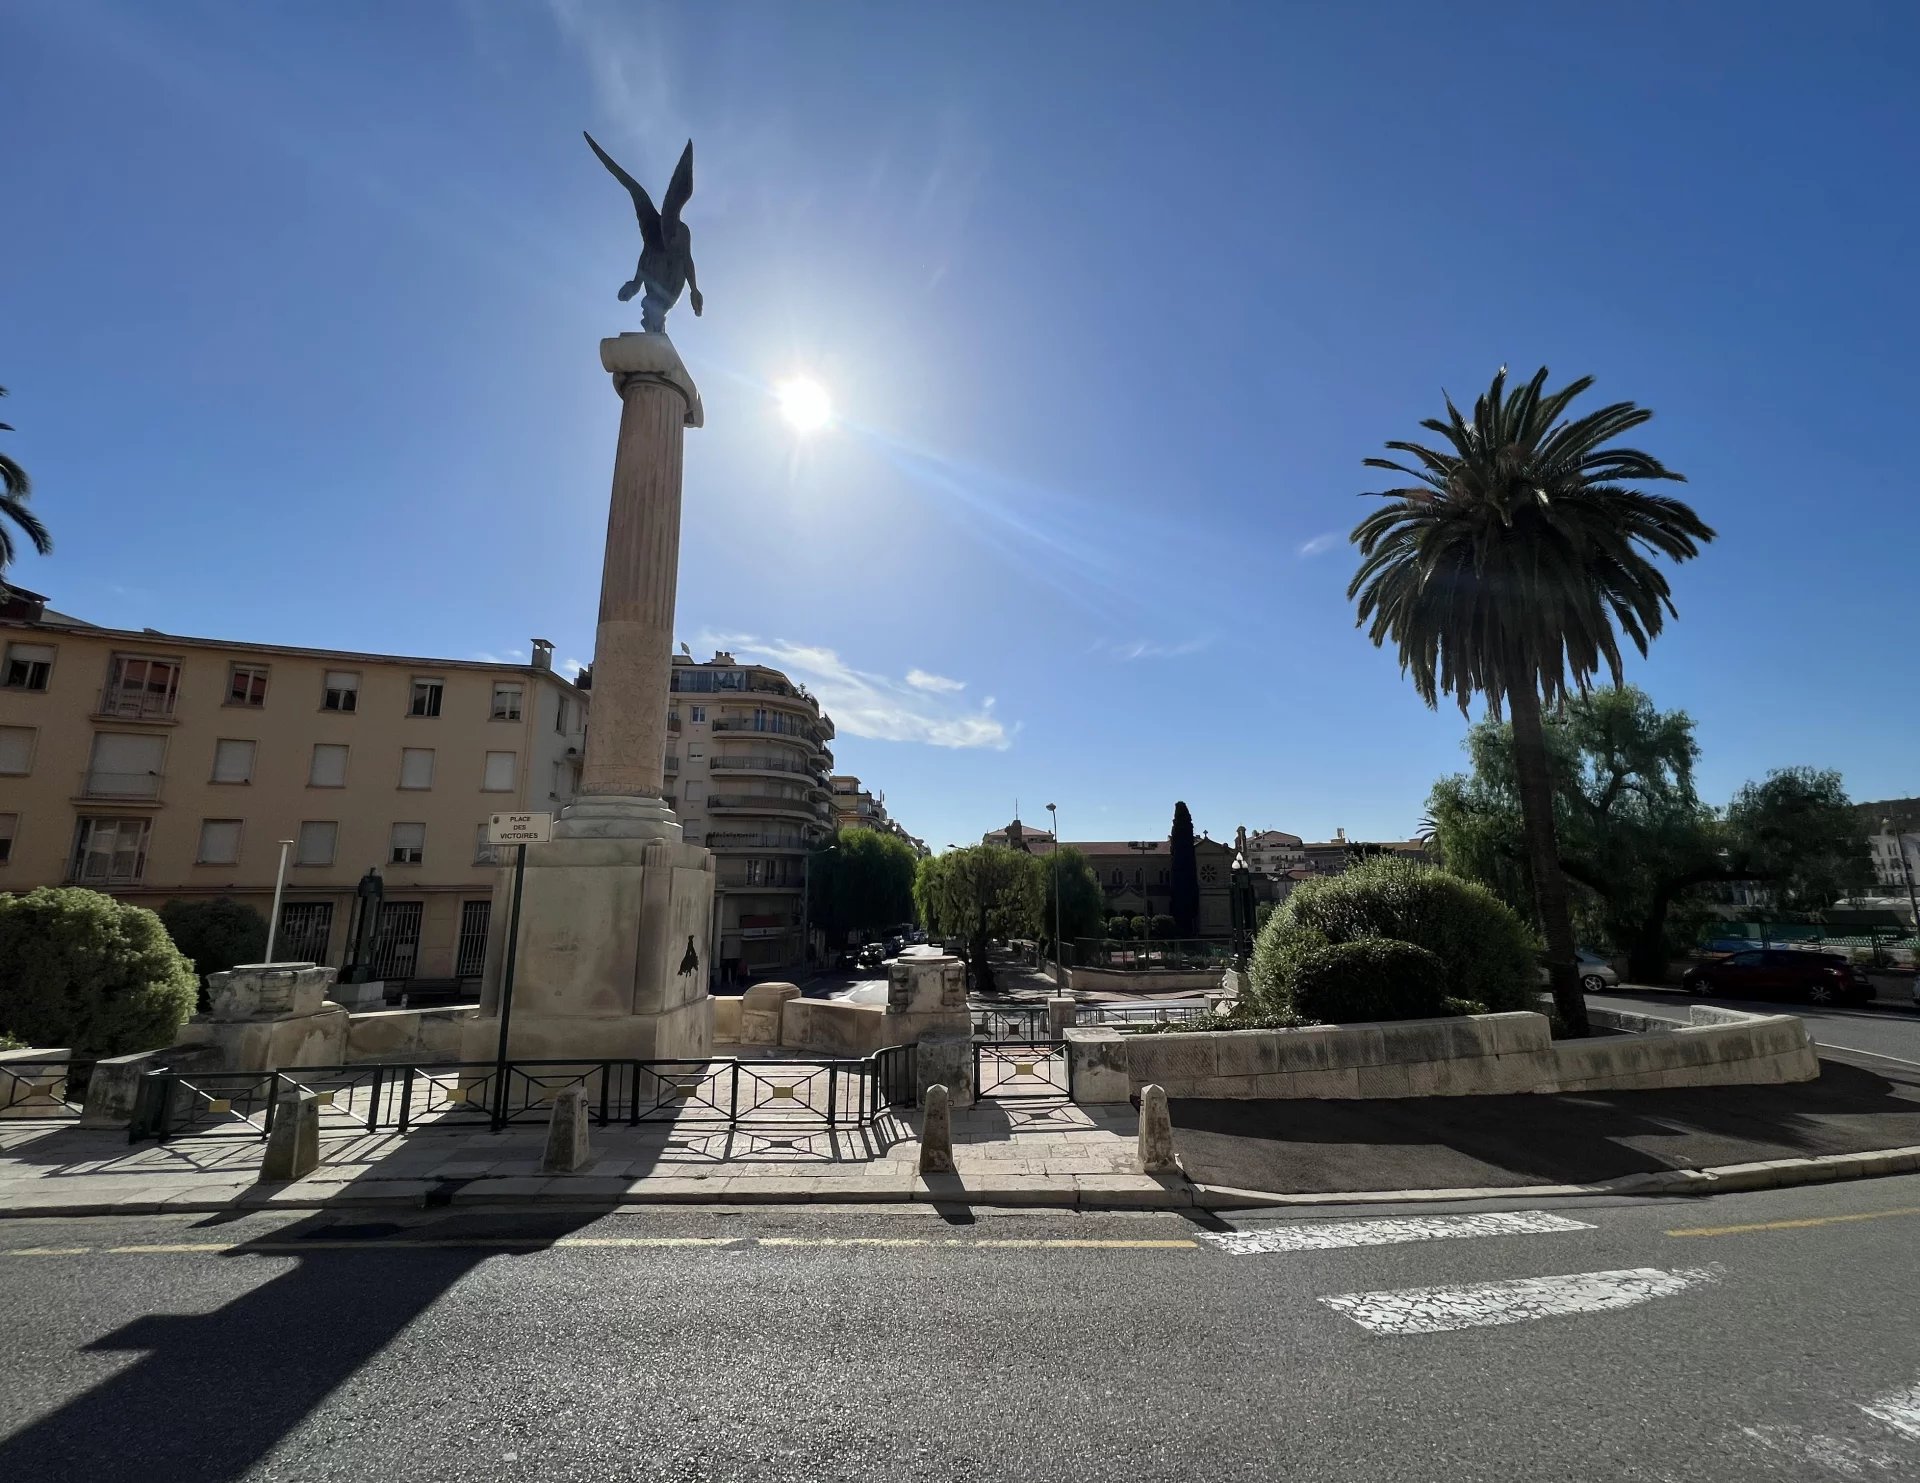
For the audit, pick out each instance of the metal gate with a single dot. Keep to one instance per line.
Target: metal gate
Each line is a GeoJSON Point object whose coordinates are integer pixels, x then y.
{"type": "Point", "coordinates": [396, 948]}
{"type": "Point", "coordinates": [471, 959]}
{"type": "Point", "coordinates": [1004, 1070]}
{"type": "Point", "coordinates": [305, 930]}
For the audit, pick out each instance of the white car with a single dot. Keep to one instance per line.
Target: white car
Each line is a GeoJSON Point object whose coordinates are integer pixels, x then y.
{"type": "Point", "coordinates": [1596, 973]}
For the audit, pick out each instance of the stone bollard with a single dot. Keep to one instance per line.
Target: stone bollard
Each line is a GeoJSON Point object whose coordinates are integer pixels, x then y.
{"type": "Point", "coordinates": [1156, 1133]}
{"type": "Point", "coordinates": [567, 1150]}
{"type": "Point", "coordinates": [936, 1132]}
{"type": "Point", "coordinates": [293, 1147]}
{"type": "Point", "coordinates": [1062, 1014]}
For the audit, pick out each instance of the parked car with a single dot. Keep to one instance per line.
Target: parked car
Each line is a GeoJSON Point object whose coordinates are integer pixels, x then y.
{"type": "Point", "coordinates": [896, 946]}
{"type": "Point", "coordinates": [1780, 973]}
{"type": "Point", "coordinates": [1596, 973]}
{"type": "Point", "coordinates": [873, 955]}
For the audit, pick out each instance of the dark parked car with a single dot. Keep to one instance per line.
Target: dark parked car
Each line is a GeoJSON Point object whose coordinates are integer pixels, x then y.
{"type": "Point", "coordinates": [1779, 973]}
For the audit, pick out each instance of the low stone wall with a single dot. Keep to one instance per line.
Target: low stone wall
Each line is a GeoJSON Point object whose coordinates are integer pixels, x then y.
{"type": "Point", "coordinates": [1474, 1055]}
{"type": "Point", "coordinates": [1116, 981]}
{"type": "Point", "coordinates": [832, 1027]}
{"type": "Point", "coordinates": [399, 1036]}
{"type": "Point", "coordinates": [726, 1019]}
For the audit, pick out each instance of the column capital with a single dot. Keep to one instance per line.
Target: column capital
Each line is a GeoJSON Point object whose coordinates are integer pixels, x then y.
{"type": "Point", "coordinates": [651, 357]}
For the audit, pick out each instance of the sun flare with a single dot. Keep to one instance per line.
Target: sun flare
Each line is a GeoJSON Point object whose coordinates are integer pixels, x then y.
{"type": "Point", "coordinates": [805, 405]}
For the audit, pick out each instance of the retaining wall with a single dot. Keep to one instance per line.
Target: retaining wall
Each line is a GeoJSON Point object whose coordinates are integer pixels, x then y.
{"type": "Point", "coordinates": [1118, 981]}
{"type": "Point", "coordinates": [397, 1036]}
{"type": "Point", "coordinates": [1474, 1055]}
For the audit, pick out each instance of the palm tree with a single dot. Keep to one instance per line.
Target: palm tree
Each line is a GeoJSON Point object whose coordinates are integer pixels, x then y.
{"type": "Point", "coordinates": [15, 486]}
{"type": "Point", "coordinates": [1505, 573]}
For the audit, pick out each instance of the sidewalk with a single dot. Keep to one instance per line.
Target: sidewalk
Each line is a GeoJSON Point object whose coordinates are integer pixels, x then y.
{"type": "Point", "coordinates": [1026, 1153]}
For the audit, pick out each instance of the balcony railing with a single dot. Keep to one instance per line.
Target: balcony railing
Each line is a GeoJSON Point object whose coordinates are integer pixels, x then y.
{"type": "Point", "coordinates": [723, 762]}
{"type": "Point", "coordinates": [757, 840]}
{"type": "Point", "coordinates": [672, 764]}
{"type": "Point", "coordinates": [741, 880]}
{"type": "Point", "coordinates": [131, 787]}
{"type": "Point", "coordinates": [673, 724]}
{"type": "Point", "coordinates": [799, 735]}
{"type": "Point", "coordinates": [764, 803]}
{"type": "Point", "coordinates": [123, 704]}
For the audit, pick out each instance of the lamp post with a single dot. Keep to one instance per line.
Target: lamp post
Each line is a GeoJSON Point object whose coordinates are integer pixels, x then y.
{"type": "Point", "coordinates": [279, 887]}
{"type": "Point", "coordinates": [1059, 963]}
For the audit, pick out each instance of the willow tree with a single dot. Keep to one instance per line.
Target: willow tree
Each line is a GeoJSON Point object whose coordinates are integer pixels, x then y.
{"type": "Point", "coordinates": [1509, 571]}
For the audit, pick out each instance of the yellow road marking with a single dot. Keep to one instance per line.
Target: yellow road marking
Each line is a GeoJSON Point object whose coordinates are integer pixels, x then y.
{"type": "Point", "coordinates": [1794, 1225]}
{"type": "Point", "coordinates": [182, 1246]}
{"type": "Point", "coordinates": [841, 1241]}
{"type": "Point", "coordinates": [49, 1251]}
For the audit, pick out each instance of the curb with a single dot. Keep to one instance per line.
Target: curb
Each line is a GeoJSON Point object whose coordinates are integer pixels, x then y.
{"type": "Point", "coordinates": [1723, 1179]}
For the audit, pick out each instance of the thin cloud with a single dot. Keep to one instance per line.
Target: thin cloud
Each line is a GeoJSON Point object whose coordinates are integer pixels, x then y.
{"type": "Point", "coordinates": [1321, 544]}
{"type": "Point", "coordinates": [1131, 649]}
{"type": "Point", "coordinates": [921, 680]}
{"type": "Point", "coordinates": [876, 706]}
{"type": "Point", "coordinates": [509, 656]}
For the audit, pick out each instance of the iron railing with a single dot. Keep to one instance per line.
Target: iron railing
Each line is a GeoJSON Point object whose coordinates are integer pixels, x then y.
{"type": "Point", "coordinates": [1005, 1070]}
{"type": "Point", "coordinates": [724, 1093]}
{"type": "Point", "coordinates": [32, 1089]}
{"type": "Point", "coordinates": [1002, 1022]}
{"type": "Point", "coordinates": [130, 787]}
{"type": "Point", "coordinates": [1142, 1014]}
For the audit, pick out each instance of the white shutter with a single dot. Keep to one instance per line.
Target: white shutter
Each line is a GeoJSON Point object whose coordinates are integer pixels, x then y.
{"type": "Point", "coordinates": [16, 748]}
{"type": "Point", "coordinates": [316, 842]}
{"type": "Point", "coordinates": [499, 777]}
{"type": "Point", "coordinates": [329, 767]}
{"type": "Point", "coordinates": [416, 767]}
{"type": "Point", "coordinates": [219, 841]}
{"type": "Point", "coordinates": [232, 761]}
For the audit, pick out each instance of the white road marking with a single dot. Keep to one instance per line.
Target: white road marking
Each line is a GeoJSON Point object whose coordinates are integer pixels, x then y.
{"type": "Point", "coordinates": [1873, 1055]}
{"type": "Point", "coordinates": [1899, 1410]}
{"type": "Point", "coordinates": [1439, 1310]}
{"type": "Point", "coordinates": [1837, 1456]}
{"type": "Point", "coordinates": [1329, 1235]}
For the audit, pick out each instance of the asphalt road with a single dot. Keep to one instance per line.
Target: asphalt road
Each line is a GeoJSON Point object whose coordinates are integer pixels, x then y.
{"type": "Point", "coordinates": [1591, 1340]}
{"type": "Point", "coordinates": [1890, 1033]}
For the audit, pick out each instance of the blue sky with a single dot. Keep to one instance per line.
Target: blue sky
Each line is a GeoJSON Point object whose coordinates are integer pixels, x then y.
{"type": "Point", "coordinates": [299, 307]}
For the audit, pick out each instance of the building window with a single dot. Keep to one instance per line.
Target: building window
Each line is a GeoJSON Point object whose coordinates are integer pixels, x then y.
{"type": "Point", "coordinates": [232, 761]}
{"type": "Point", "coordinates": [696, 792]}
{"type": "Point", "coordinates": [125, 766]}
{"type": "Point", "coordinates": [306, 928]}
{"type": "Point", "coordinates": [139, 687]}
{"type": "Point", "coordinates": [16, 749]}
{"type": "Point", "coordinates": [560, 716]}
{"type": "Point", "coordinates": [470, 958]}
{"type": "Point", "coordinates": [416, 767]}
{"type": "Point", "coordinates": [316, 842]}
{"type": "Point", "coordinates": [9, 827]}
{"type": "Point", "coordinates": [1119, 879]}
{"type": "Point", "coordinates": [29, 666]}
{"type": "Point", "coordinates": [219, 842]}
{"type": "Point", "coordinates": [499, 774]}
{"type": "Point", "coordinates": [426, 697]}
{"type": "Point", "coordinates": [694, 750]}
{"type": "Point", "coordinates": [408, 844]}
{"type": "Point", "coordinates": [340, 691]}
{"type": "Point", "coordinates": [111, 852]}
{"type": "Point", "coordinates": [485, 851]}
{"type": "Point", "coordinates": [506, 702]}
{"type": "Point", "coordinates": [328, 769]}
{"type": "Point", "coordinates": [699, 715]}
{"type": "Point", "coordinates": [247, 685]}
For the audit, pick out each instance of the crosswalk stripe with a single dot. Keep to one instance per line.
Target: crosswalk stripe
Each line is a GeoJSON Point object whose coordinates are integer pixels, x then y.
{"type": "Point", "coordinates": [1437, 1310]}
{"type": "Point", "coordinates": [1389, 1231]}
{"type": "Point", "coordinates": [1899, 1410]}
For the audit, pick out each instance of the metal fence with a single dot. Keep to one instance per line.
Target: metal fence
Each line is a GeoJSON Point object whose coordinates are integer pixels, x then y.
{"type": "Point", "coordinates": [38, 1089]}
{"type": "Point", "coordinates": [1142, 1014]}
{"type": "Point", "coordinates": [1150, 955]}
{"type": "Point", "coordinates": [1009, 1022]}
{"type": "Point", "coordinates": [723, 1093]}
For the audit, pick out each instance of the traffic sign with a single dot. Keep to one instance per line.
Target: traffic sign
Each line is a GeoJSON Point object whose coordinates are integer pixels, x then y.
{"type": "Point", "coordinates": [520, 829]}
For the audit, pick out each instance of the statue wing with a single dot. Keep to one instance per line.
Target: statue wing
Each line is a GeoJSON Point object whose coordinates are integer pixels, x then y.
{"type": "Point", "coordinates": [642, 202]}
{"type": "Point", "coordinates": [680, 188]}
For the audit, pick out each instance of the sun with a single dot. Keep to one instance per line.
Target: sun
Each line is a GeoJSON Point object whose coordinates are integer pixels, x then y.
{"type": "Point", "coordinates": [805, 404]}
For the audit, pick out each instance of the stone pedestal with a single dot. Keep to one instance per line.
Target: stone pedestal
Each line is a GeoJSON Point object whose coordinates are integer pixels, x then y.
{"type": "Point", "coordinates": [617, 911]}
{"type": "Point", "coordinates": [926, 995]}
{"type": "Point", "coordinates": [269, 1015]}
{"type": "Point", "coordinates": [946, 1061]}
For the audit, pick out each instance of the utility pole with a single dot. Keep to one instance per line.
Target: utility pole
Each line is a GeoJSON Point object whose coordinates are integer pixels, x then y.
{"type": "Point", "coordinates": [1059, 961]}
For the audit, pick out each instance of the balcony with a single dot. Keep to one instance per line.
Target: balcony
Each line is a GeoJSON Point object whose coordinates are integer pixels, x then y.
{"type": "Point", "coordinates": [121, 787]}
{"type": "Point", "coordinates": [784, 844]}
{"type": "Point", "coordinates": [124, 703]}
{"type": "Point", "coordinates": [672, 764]}
{"type": "Point", "coordinates": [765, 803]}
{"type": "Point", "coordinates": [734, 879]}
{"type": "Point", "coordinates": [673, 723]}
{"type": "Point", "coordinates": [784, 765]}
{"type": "Point", "coordinates": [800, 735]}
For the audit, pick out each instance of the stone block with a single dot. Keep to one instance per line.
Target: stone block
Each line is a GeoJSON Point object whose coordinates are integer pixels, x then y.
{"type": "Point", "coordinates": [936, 1131]}
{"type": "Point", "coordinates": [1317, 1049]}
{"type": "Point", "coordinates": [1062, 1013]}
{"type": "Point", "coordinates": [926, 983]}
{"type": "Point", "coordinates": [1517, 1030]}
{"type": "Point", "coordinates": [1156, 1154]}
{"type": "Point", "coordinates": [293, 1145]}
{"type": "Point", "coordinates": [567, 1148]}
{"type": "Point", "coordinates": [1422, 1040]}
{"type": "Point", "coordinates": [1336, 1082]}
{"type": "Point", "coordinates": [1097, 1066]}
{"type": "Point", "coordinates": [1383, 1081]}
{"type": "Point", "coordinates": [946, 1060]}
{"type": "Point", "coordinates": [726, 1020]}
{"type": "Point", "coordinates": [266, 1043]}
{"type": "Point", "coordinates": [760, 1012]}
{"type": "Point", "coordinates": [1172, 1060]}
{"type": "Point", "coordinates": [252, 990]}
{"type": "Point", "coordinates": [1247, 1052]}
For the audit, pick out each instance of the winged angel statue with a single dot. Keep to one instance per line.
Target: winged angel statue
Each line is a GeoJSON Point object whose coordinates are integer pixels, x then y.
{"type": "Point", "coordinates": [666, 251]}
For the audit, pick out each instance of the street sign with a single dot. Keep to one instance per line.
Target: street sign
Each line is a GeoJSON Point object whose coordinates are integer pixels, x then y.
{"type": "Point", "coordinates": [520, 829]}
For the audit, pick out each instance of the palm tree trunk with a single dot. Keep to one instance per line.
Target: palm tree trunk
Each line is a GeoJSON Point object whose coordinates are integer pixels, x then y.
{"type": "Point", "coordinates": [1543, 857]}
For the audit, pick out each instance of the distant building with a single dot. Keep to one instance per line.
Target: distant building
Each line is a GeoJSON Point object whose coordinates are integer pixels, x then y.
{"type": "Point", "coordinates": [854, 807]}
{"type": "Point", "coordinates": [1892, 829]}
{"type": "Point", "coordinates": [1136, 876]}
{"type": "Point", "coordinates": [1332, 856]}
{"type": "Point", "coordinates": [1273, 852]}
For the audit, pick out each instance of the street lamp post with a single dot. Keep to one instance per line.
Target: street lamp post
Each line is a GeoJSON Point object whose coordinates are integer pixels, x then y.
{"type": "Point", "coordinates": [1059, 963]}
{"type": "Point", "coordinates": [279, 888]}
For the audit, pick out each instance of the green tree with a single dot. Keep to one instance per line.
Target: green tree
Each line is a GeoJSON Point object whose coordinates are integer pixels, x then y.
{"type": "Point", "coordinates": [860, 881]}
{"type": "Point", "coordinates": [1508, 572]}
{"type": "Point", "coordinates": [1184, 873]}
{"type": "Point", "coordinates": [1164, 926]}
{"type": "Point", "coordinates": [1119, 927]}
{"type": "Point", "coordinates": [81, 969]}
{"type": "Point", "coordinates": [216, 934]}
{"type": "Point", "coordinates": [15, 489]}
{"type": "Point", "coordinates": [1632, 833]}
{"type": "Point", "coordinates": [1140, 927]}
{"type": "Point", "coordinates": [980, 893]}
{"type": "Point", "coordinates": [1082, 904]}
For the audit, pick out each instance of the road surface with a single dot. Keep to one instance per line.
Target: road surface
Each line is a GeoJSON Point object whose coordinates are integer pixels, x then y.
{"type": "Point", "coordinates": [1887, 1034]}
{"type": "Point", "coordinates": [1747, 1338]}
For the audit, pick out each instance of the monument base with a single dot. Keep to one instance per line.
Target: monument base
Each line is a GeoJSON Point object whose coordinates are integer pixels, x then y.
{"type": "Point", "coordinates": [614, 934]}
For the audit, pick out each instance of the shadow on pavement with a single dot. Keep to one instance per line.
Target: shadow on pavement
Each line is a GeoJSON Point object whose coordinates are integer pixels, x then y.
{"type": "Point", "coordinates": [1472, 1142]}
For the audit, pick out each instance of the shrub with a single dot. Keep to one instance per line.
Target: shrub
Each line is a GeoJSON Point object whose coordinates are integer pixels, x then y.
{"type": "Point", "coordinates": [80, 969]}
{"type": "Point", "coordinates": [1488, 954]}
{"type": "Point", "coordinates": [1163, 926]}
{"type": "Point", "coordinates": [1140, 927]}
{"type": "Point", "coordinates": [1375, 978]}
{"type": "Point", "coordinates": [216, 934]}
{"type": "Point", "coordinates": [1118, 927]}
{"type": "Point", "coordinates": [1232, 1019]}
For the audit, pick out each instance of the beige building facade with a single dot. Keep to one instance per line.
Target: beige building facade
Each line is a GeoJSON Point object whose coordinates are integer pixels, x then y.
{"type": "Point", "coordinates": [160, 768]}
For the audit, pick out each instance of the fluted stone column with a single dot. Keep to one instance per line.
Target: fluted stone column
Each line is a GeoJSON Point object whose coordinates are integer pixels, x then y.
{"type": "Point", "coordinates": [620, 777]}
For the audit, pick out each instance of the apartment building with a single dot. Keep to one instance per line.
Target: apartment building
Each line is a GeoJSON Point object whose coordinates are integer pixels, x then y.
{"type": "Point", "coordinates": [747, 770]}
{"type": "Point", "coordinates": [1275, 852]}
{"type": "Point", "coordinates": [160, 768]}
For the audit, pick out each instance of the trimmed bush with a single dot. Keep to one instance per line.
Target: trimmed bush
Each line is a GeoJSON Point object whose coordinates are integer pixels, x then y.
{"type": "Point", "coordinates": [80, 969]}
{"type": "Point", "coordinates": [1163, 926]}
{"type": "Point", "coordinates": [1118, 927]}
{"type": "Point", "coordinates": [1140, 927]}
{"type": "Point", "coordinates": [1487, 952]}
{"type": "Point", "coordinates": [1375, 978]}
{"type": "Point", "coordinates": [216, 934]}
